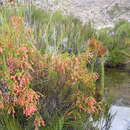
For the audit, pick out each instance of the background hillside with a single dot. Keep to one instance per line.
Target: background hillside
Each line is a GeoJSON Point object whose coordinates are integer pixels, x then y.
{"type": "Point", "coordinates": [102, 12]}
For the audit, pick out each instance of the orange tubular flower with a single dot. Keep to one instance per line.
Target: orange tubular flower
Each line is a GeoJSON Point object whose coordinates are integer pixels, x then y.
{"type": "Point", "coordinates": [21, 102]}
{"type": "Point", "coordinates": [1, 50]}
{"type": "Point", "coordinates": [91, 109]}
{"type": "Point", "coordinates": [38, 121]}
{"type": "Point", "coordinates": [1, 105]}
{"type": "Point", "coordinates": [15, 20]}
{"type": "Point", "coordinates": [102, 50]}
{"type": "Point", "coordinates": [29, 30]}
{"type": "Point", "coordinates": [17, 23]}
{"type": "Point", "coordinates": [90, 101]}
{"type": "Point", "coordinates": [30, 110]}
{"type": "Point", "coordinates": [12, 1]}
{"type": "Point", "coordinates": [95, 45]}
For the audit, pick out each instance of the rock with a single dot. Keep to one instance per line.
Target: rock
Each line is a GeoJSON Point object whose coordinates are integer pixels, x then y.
{"type": "Point", "coordinates": [102, 12]}
{"type": "Point", "coordinates": [122, 118]}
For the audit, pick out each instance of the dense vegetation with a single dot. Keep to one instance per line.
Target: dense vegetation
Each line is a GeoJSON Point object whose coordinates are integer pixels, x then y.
{"type": "Point", "coordinates": [59, 33]}
{"type": "Point", "coordinates": [48, 69]}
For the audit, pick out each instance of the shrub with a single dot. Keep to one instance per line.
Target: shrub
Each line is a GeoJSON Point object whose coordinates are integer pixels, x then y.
{"type": "Point", "coordinates": [16, 68]}
{"type": "Point", "coordinates": [61, 83]}
{"type": "Point", "coordinates": [56, 86]}
{"type": "Point", "coordinates": [117, 41]}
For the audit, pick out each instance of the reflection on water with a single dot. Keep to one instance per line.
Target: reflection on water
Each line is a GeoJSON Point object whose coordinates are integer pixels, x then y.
{"type": "Point", "coordinates": [117, 86]}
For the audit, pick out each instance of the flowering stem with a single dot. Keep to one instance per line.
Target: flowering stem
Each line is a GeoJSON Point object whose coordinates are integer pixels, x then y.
{"type": "Point", "coordinates": [102, 77]}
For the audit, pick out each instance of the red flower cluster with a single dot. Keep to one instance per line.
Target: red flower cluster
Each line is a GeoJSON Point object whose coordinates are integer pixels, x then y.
{"type": "Point", "coordinates": [38, 121]}
{"type": "Point", "coordinates": [17, 22]}
{"type": "Point", "coordinates": [88, 105]}
{"type": "Point", "coordinates": [91, 103]}
{"type": "Point", "coordinates": [29, 110]}
{"type": "Point", "coordinates": [97, 46]}
{"type": "Point", "coordinates": [18, 70]}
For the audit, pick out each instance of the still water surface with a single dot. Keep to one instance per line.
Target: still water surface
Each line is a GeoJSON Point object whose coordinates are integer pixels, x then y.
{"type": "Point", "coordinates": [117, 86]}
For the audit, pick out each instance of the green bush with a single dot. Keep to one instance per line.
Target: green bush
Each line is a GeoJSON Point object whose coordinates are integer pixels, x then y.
{"type": "Point", "coordinates": [117, 40]}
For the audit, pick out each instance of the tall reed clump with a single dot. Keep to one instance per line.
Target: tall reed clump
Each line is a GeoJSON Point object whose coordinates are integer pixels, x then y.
{"type": "Point", "coordinates": [56, 32]}
{"type": "Point", "coordinates": [99, 57]}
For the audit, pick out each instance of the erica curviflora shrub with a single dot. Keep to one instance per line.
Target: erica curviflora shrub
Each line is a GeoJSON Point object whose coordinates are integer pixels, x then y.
{"type": "Point", "coordinates": [16, 68]}
{"type": "Point", "coordinates": [69, 89]}
{"type": "Point", "coordinates": [42, 85]}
